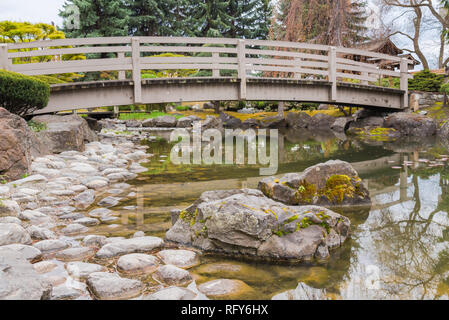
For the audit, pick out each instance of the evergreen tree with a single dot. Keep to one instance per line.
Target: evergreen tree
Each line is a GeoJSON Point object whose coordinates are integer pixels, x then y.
{"type": "Point", "coordinates": [210, 18]}
{"type": "Point", "coordinates": [98, 18]}
{"type": "Point", "coordinates": [250, 18]}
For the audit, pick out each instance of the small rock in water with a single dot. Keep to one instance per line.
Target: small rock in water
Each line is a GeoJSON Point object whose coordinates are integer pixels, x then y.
{"type": "Point", "coordinates": [172, 293]}
{"type": "Point", "coordinates": [224, 288]}
{"type": "Point", "coordinates": [109, 202]}
{"type": "Point", "coordinates": [50, 246]}
{"type": "Point", "coordinates": [81, 270]}
{"type": "Point", "coordinates": [74, 228]}
{"type": "Point", "coordinates": [139, 234]}
{"type": "Point", "coordinates": [110, 286]}
{"type": "Point", "coordinates": [88, 222]}
{"type": "Point", "coordinates": [94, 240]}
{"type": "Point", "coordinates": [44, 266]}
{"type": "Point", "coordinates": [134, 245]}
{"type": "Point", "coordinates": [75, 254]}
{"type": "Point", "coordinates": [172, 275]}
{"type": "Point", "coordinates": [63, 292]}
{"type": "Point", "coordinates": [181, 258]}
{"type": "Point", "coordinates": [137, 263]}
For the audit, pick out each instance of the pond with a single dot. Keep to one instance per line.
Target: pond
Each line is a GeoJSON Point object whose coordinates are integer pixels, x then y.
{"type": "Point", "coordinates": [399, 249]}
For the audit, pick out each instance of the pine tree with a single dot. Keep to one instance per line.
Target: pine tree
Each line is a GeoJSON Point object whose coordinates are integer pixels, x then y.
{"type": "Point", "coordinates": [98, 18]}
{"type": "Point", "coordinates": [250, 18]}
{"type": "Point", "coordinates": [210, 18]}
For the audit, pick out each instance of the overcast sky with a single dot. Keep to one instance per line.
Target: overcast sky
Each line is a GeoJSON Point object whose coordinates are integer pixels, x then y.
{"type": "Point", "coordinates": [47, 11]}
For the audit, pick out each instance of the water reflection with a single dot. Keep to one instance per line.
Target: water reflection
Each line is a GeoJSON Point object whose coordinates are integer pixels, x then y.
{"type": "Point", "coordinates": [399, 249]}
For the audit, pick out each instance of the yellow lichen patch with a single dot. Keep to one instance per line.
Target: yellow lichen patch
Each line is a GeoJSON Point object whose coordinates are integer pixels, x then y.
{"type": "Point", "coordinates": [337, 187]}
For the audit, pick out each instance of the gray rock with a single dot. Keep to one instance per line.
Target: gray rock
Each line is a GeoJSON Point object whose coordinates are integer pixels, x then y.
{"type": "Point", "coordinates": [75, 254]}
{"type": "Point", "coordinates": [222, 288]}
{"type": "Point", "coordinates": [64, 292]}
{"type": "Point", "coordinates": [165, 122]}
{"type": "Point", "coordinates": [19, 280]}
{"type": "Point", "coordinates": [302, 292]}
{"type": "Point", "coordinates": [187, 122]}
{"type": "Point", "coordinates": [11, 233]}
{"type": "Point", "coordinates": [100, 212]}
{"type": "Point", "coordinates": [230, 121]}
{"type": "Point", "coordinates": [88, 222]}
{"type": "Point", "coordinates": [10, 220]}
{"type": "Point", "coordinates": [139, 234]}
{"type": "Point", "coordinates": [341, 124]}
{"type": "Point", "coordinates": [82, 270]}
{"type": "Point", "coordinates": [275, 122]}
{"type": "Point", "coordinates": [298, 120]}
{"type": "Point", "coordinates": [211, 122]}
{"type": "Point", "coordinates": [322, 121]}
{"type": "Point", "coordinates": [180, 258]}
{"type": "Point", "coordinates": [172, 276]}
{"type": "Point", "coordinates": [84, 199]}
{"type": "Point", "coordinates": [9, 208]}
{"type": "Point", "coordinates": [172, 293]}
{"type": "Point", "coordinates": [109, 202]}
{"type": "Point", "coordinates": [50, 246]}
{"type": "Point", "coordinates": [27, 252]}
{"type": "Point", "coordinates": [34, 216]}
{"type": "Point", "coordinates": [137, 263]}
{"type": "Point", "coordinates": [174, 214]}
{"type": "Point", "coordinates": [411, 124]}
{"type": "Point", "coordinates": [245, 222]}
{"type": "Point", "coordinates": [110, 286]}
{"type": "Point", "coordinates": [64, 133]}
{"type": "Point", "coordinates": [38, 233]}
{"type": "Point", "coordinates": [44, 266]}
{"type": "Point", "coordinates": [134, 245]}
{"type": "Point", "coordinates": [334, 183]}
{"type": "Point", "coordinates": [94, 240]}
{"type": "Point", "coordinates": [149, 123]}
{"type": "Point", "coordinates": [74, 228]}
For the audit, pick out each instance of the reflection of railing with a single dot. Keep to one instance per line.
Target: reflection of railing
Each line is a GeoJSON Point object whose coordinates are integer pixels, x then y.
{"type": "Point", "coordinates": [246, 58]}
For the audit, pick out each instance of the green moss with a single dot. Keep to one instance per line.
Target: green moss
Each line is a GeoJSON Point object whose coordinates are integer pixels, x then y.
{"type": "Point", "coordinates": [306, 192]}
{"type": "Point", "coordinates": [337, 187]}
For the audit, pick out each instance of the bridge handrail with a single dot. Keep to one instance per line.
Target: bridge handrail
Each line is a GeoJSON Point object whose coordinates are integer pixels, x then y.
{"type": "Point", "coordinates": [264, 58]}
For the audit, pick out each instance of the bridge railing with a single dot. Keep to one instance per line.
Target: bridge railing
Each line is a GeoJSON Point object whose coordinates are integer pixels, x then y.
{"type": "Point", "coordinates": [219, 57]}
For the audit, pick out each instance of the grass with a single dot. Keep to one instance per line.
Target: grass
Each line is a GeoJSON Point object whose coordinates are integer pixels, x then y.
{"type": "Point", "coordinates": [144, 116]}
{"type": "Point", "coordinates": [36, 126]}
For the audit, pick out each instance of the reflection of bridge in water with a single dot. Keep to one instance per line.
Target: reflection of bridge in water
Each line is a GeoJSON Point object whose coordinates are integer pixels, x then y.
{"type": "Point", "coordinates": [263, 71]}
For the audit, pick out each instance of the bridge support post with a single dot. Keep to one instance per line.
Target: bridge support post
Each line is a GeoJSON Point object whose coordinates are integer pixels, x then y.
{"type": "Point", "coordinates": [121, 74]}
{"type": "Point", "coordinates": [4, 61]}
{"type": "Point", "coordinates": [241, 56]}
{"type": "Point", "coordinates": [215, 72]}
{"type": "Point", "coordinates": [137, 77]}
{"type": "Point", "coordinates": [404, 82]}
{"type": "Point", "coordinates": [333, 73]}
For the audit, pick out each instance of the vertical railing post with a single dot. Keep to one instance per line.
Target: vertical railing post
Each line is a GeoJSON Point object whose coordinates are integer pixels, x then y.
{"type": "Point", "coordinates": [4, 61]}
{"type": "Point", "coordinates": [241, 56]}
{"type": "Point", "coordinates": [404, 82]}
{"type": "Point", "coordinates": [333, 73]}
{"type": "Point", "coordinates": [299, 66]}
{"type": "Point", "coordinates": [216, 57]}
{"type": "Point", "coordinates": [121, 73]}
{"type": "Point", "coordinates": [137, 77]}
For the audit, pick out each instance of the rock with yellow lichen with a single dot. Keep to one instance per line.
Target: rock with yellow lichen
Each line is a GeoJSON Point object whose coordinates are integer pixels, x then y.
{"type": "Point", "coordinates": [334, 183]}
{"type": "Point", "coordinates": [247, 223]}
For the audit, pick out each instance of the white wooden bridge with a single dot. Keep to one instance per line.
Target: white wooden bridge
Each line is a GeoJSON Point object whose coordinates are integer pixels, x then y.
{"type": "Point", "coordinates": [264, 71]}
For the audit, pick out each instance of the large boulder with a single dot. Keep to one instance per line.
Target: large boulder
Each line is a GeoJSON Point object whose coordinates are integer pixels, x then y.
{"type": "Point", "coordinates": [187, 122]}
{"type": "Point", "coordinates": [411, 124]}
{"type": "Point", "coordinates": [65, 133]}
{"type": "Point", "coordinates": [321, 121]}
{"type": "Point", "coordinates": [334, 183]}
{"type": "Point", "coordinates": [19, 280]}
{"type": "Point", "coordinates": [18, 145]}
{"type": "Point", "coordinates": [298, 120]}
{"type": "Point", "coordinates": [212, 122]}
{"type": "Point", "coordinates": [230, 121]}
{"type": "Point", "coordinates": [275, 122]}
{"type": "Point", "coordinates": [165, 122]}
{"type": "Point", "coordinates": [245, 222]}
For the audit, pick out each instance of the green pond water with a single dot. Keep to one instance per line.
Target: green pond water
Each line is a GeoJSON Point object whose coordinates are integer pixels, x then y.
{"type": "Point", "coordinates": [399, 249]}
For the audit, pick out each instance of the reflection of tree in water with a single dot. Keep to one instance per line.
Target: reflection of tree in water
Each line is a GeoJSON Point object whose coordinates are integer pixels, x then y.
{"type": "Point", "coordinates": [410, 247]}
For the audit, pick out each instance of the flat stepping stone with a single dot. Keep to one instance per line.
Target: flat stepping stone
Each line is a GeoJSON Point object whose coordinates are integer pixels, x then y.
{"type": "Point", "coordinates": [172, 276]}
{"type": "Point", "coordinates": [109, 202]}
{"type": "Point", "coordinates": [134, 245]}
{"type": "Point", "coordinates": [27, 252]}
{"type": "Point", "coordinates": [87, 222]}
{"type": "Point", "coordinates": [84, 199]}
{"type": "Point", "coordinates": [110, 286]}
{"type": "Point", "coordinates": [181, 258]}
{"type": "Point", "coordinates": [11, 233]}
{"type": "Point", "coordinates": [225, 288]}
{"type": "Point", "coordinates": [97, 184]}
{"type": "Point", "coordinates": [44, 266]}
{"type": "Point", "coordinates": [137, 263]}
{"type": "Point", "coordinates": [74, 228]}
{"type": "Point", "coordinates": [50, 246]}
{"type": "Point", "coordinates": [100, 212]}
{"type": "Point", "coordinates": [172, 293]}
{"type": "Point", "coordinates": [75, 254]}
{"type": "Point", "coordinates": [82, 270]}
{"type": "Point", "coordinates": [94, 240]}
{"type": "Point", "coordinates": [38, 233]}
{"type": "Point", "coordinates": [64, 292]}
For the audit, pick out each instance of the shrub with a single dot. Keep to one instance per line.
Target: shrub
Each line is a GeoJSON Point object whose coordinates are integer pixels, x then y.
{"type": "Point", "coordinates": [426, 81]}
{"type": "Point", "coordinates": [49, 79]}
{"type": "Point", "coordinates": [182, 108]}
{"type": "Point", "coordinates": [445, 88]}
{"type": "Point", "coordinates": [22, 94]}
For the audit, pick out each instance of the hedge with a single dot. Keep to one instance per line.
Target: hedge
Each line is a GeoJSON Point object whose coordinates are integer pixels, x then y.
{"type": "Point", "coordinates": [20, 94]}
{"type": "Point", "coordinates": [426, 81]}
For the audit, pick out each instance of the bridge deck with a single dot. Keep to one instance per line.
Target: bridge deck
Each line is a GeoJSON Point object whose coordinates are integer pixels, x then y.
{"type": "Point", "coordinates": [85, 95]}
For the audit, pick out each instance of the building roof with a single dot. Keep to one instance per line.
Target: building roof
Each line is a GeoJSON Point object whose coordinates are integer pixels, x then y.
{"type": "Point", "coordinates": [385, 46]}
